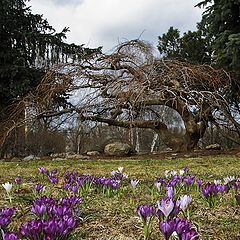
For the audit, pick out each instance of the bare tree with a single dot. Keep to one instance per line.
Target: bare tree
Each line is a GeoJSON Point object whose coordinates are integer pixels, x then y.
{"type": "Point", "coordinates": [129, 87]}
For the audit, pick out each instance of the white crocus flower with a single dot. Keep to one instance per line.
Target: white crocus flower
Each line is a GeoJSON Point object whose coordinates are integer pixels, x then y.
{"type": "Point", "coordinates": [181, 172]}
{"type": "Point", "coordinates": [167, 173]}
{"type": "Point", "coordinates": [184, 201]}
{"type": "Point", "coordinates": [125, 175]}
{"type": "Point", "coordinates": [134, 183]}
{"type": "Point", "coordinates": [217, 182]}
{"type": "Point", "coordinates": [7, 186]}
{"type": "Point", "coordinates": [174, 236]}
{"type": "Point", "coordinates": [120, 169]}
{"type": "Point", "coordinates": [229, 179]}
{"type": "Point", "coordinates": [158, 185]}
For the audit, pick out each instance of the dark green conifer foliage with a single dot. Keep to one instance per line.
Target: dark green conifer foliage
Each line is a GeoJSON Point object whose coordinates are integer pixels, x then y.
{"type": "Point", "coordinates": [193, 46]}
{"type": "Point", "coordinates": [28, 46]}
{"type": "Point", "coordinates": [222, 21]}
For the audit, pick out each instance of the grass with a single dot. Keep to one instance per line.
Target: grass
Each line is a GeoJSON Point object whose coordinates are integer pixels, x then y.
{"type": "Point", "coordinates": [115, 218]}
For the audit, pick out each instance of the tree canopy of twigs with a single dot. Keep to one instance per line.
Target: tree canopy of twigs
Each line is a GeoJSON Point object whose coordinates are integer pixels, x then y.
{"type": "Point", "coordinates": [127, 88]}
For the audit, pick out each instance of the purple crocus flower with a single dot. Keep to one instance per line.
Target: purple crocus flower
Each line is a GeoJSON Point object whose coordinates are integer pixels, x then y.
{"type": "Point", "coordinates": [39, 209]}
{"type": "Point", "coordinates": [182, 225]}
{"type": "Point", "coordinates": [18, 180]}
{"type": "Point", "coordinates": [53, 179]}
{"type": "Point", "coordinates": [53, 172]}
{"type": "Point", "coordinates": [39, 187]}
{"type": "Point", "coordinates": [167, 228]}
{"type": "Point", "coordinates": [170, 192]}
{"type": "Point", "coordinates": [161, 180]}
{"type": "Point", "coordinates": [145, 211]}
{"type": "Point", "coordinates": [42, 170]}
{"type": "Point", "coordinates": [32, 229]}
{"type": "Point", "coordinates": [66, 225]}
{"type": "Point", "coordinates": [71, 201]}
{"type": "Point", "coordinates": [192, 234]}
{"type": "Point", "coordinates": [61, 210]}
{"type": "Point", "coordinates": [75, 189]}
{"type": "Point", "coordinates": [166, 206]}
{"type": "Point", "coordinates": [209, 190]}
{"type": "Point", "coordinates": [115, 184]}
{"type": "Point", "coordinates": [66, 186]}
{"type": "Point", "coordinates": [236, 184]}
{"type": "Point", "coordinates": [50, 227]}
{"type": "Point", "coordinates": [199, 182]}
{"type": "Point", "coordinates": [5, 216]}
{"type": "Point", "coordinates": [221, 188]}
{"type": "Point", "coordinates": [186, 169]}
{"type": "Point", "coordinates": [10, 236]}
{"type": "Point", "coordinates": [174, 181]}
{"type": "Point", "coordinates": [189, 180]}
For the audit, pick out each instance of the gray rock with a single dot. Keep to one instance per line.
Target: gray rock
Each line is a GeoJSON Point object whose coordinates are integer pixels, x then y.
{"type": "Point", "coordinates": [70, 153]}
{"type": "Point", "coordinates": [77, 156]}
{"type": "Point", "coordinates": [117, 149]}
{"type": "Point", "coordinates": [58, 155]}
{"type": "Point", "coordinates": [93, 153]}
{"type": "Point", "coordinates": [58, 159]}
{"type": "Point", "coordinates": [214, 146]}
{"type": "Point", "coordinates": [28, 158]}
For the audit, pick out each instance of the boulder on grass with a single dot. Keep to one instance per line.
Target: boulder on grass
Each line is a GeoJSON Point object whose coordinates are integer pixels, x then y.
{"type": "Point", "coordinates": [77, 156]}
{"type": "Point", "coordinates": [93, 153]}
{"type": "Point", "coordinates": [30, 157]}
{"type": "Point", "coordinates": [118, 149]}
{"type": "Point", "coordinates": [214, 146]}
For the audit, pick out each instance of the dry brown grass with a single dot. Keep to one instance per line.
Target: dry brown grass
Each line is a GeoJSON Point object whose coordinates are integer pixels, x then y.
{"type": "Point", "coordinates": [115, 218]}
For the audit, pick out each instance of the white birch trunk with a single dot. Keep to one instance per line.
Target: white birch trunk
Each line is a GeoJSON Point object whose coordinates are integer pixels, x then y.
{"type": "Point", "coordinates": [154, 141]}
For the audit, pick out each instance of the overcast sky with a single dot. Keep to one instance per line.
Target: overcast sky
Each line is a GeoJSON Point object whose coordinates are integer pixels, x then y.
{"type": "Point", "coordinates": [107, 22]}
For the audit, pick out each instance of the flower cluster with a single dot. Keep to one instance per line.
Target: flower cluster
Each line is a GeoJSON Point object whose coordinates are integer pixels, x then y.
{"type": "Point", "coordinates": [5, 216]}
{"type": "Point", "coordinates": [182, 228]}
{"type": "Point", "coordinates": [53, 220]}
{"type": "Point", "coordinates": [211, 192]}
{"type": "Point", "coordinates": [51, 175]}
{"type": "Point", "coordinates": [82, 183]}
{"type": "Point", "coordinates": [170, 222]}
{"type": "Point", "coordinates": [145, 212]}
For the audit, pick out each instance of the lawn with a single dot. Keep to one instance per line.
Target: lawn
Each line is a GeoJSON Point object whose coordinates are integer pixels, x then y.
{"type": "Point", "coordinates": [111, 214]}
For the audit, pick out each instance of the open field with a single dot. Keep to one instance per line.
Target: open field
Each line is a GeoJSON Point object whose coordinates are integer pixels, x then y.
{"type": "Point", "coordinates": [113, 216]}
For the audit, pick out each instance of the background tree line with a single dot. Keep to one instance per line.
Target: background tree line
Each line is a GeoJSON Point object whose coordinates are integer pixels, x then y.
{"type": "Point", "coordinates": [30, 46]}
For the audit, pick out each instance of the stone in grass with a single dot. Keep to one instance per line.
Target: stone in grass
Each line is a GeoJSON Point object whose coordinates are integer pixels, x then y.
{"type": "Point", "coordinates": [58, 159]}
{"type": "Point", "coordinates": [118, 149]}
{"type": "Point", "coordinates": [214, 146]}
{"type": "Point", "coordinates": [30, 157]}
{"type": "Point", "coordinates": [93, 153]}
{"type": "Point", "coordinates": [77, 156]}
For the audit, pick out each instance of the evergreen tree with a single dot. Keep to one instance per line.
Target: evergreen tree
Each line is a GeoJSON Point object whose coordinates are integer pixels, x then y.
{"type": "Point", "coordinates": [169, 43]}
{"type": "Point", "coordinates": [192, 47]}
{"type": "Point", "coordinates": [29, 46]}
{"type": "Point", "coordinates": [222, 21]}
